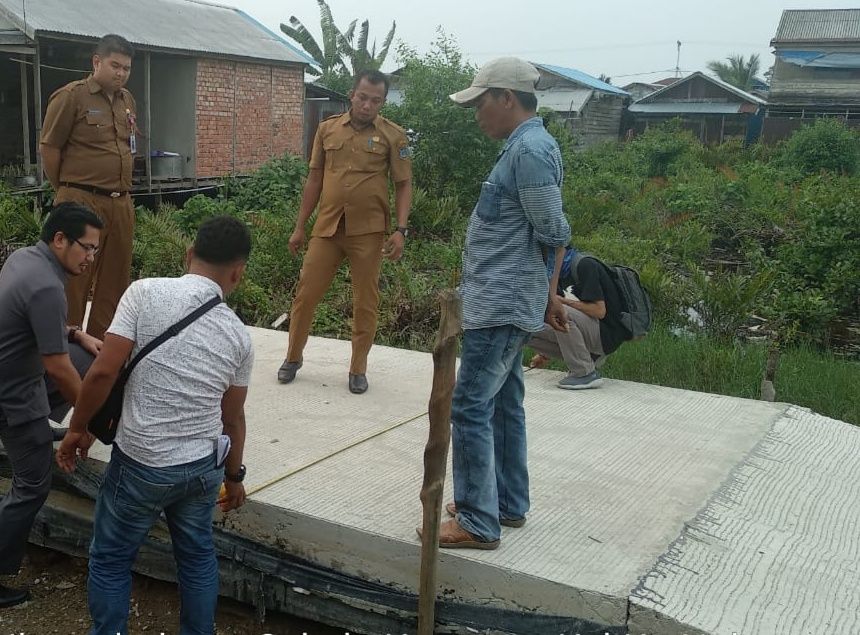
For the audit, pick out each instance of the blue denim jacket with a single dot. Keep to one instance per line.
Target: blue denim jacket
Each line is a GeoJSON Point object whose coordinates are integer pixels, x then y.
{"type": "Point", "coordinates": [519, 212]}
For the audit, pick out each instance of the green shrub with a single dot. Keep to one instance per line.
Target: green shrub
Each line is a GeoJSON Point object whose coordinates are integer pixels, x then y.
{"type": "Point", "coordinates": [276, 186]}
{"type": "Point", "coordinates": [725, 300]}
{"type": "Point", "coordinates": [197, 209]}
{"type": "Point", "coordinates": [20, 223]}
{"type": "Point", "coordinates": [160, 244]}
{"type": "Point", "coordinates": [822, 251]}
{"type": "Point", "coordinates": [661, 149]}
{"type": "Point", "coordinates": [825, 145]}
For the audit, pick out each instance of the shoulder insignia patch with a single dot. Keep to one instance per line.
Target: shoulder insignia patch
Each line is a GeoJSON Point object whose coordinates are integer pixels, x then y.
{"type": "Point", "coordinates": [405, 152]}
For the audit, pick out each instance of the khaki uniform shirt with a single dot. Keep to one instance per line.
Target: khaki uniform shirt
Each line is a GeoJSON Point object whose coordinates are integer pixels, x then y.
{"type": "Point", "coordinates": [92, 133]}
{"type": "Point", "coordinates": [356, 167]}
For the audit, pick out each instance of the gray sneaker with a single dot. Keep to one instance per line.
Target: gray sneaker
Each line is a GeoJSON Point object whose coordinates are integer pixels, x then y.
{"type": "Point", "coordinates": [287, 371]}
{"type": "Point", "coordinates": [591, 380]}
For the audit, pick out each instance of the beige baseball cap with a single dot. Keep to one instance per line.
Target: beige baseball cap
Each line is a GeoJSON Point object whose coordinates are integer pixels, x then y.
{"type": "Point", "coordinates": [503, 72]}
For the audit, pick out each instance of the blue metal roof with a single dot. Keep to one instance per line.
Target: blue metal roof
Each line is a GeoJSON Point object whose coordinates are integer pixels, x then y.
{"type": "Point", "coordinates": [582, 78]}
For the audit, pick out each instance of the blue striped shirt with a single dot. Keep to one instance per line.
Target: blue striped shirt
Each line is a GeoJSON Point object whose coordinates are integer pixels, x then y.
{"type": "Point", "coordinates": [518, 213]}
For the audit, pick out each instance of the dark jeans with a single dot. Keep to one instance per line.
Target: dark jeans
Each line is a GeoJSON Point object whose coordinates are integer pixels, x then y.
{"type": "Point", "coordinates": [130, 501]}
{"type": "Point", "coordinates": [29, 447]}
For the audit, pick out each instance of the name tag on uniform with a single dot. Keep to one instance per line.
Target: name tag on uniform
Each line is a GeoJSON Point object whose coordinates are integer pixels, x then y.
{"type": "Point", "coordinates": [132, 138]}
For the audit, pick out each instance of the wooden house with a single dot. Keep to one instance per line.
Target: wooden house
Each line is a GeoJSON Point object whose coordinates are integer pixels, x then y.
{"type": "Point", "coordinates": [712, 109]}
{"type": "Point", "coordinates": [817, 70]}
{"type": "Point", "coordinates": [591, 107]}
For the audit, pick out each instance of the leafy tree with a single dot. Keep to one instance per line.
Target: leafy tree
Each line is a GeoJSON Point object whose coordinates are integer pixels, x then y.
{"type": "Point", "coordinates": [328, 55]}
{"type": "Point", "coordinates": [737, 70]}
{"type": "Point", "coordinates": [338, 55]}
{"type": "Point", "coordinates": [451, 154]}
{"type": "Point", "coordinates": [359, 56]}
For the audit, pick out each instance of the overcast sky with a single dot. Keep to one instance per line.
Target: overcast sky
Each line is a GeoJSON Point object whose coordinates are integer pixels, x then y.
{"type": "Point", "coordinates": [629, 40]}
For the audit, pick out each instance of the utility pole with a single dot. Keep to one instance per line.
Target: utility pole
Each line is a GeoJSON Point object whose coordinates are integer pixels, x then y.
{"type": "Point", "coordinates": [678, 61]}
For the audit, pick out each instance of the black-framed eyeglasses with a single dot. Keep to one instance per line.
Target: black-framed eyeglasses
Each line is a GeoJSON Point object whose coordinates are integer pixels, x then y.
{"type": "Point", "coordinates": [90, 249]}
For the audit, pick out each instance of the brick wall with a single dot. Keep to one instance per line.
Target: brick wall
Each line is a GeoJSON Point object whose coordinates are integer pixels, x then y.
{"type": "Point", "coordinates": [215, 100]}
{"type": "Point", "coordinates": [258, 107]}
{"type": "Point", "coordinates": [288, 92]}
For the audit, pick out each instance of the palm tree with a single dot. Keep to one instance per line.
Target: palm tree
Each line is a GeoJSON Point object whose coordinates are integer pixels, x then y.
{"type": "Point", "coordinates": [328, 56]}
{"type": "Point", "coordinates": [738, 72]}
{"type": "Point", "coordinates": [358, 54]}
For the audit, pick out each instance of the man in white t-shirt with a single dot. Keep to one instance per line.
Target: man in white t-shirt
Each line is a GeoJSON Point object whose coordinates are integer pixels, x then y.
{"type": "Point", "coordinates": [178, 401]}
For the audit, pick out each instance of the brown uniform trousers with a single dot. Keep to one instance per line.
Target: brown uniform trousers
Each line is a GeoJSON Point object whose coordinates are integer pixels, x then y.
{"type": "Point", "coordinates": [351, 224]}
{"type": "Point", "coordinates": [322, 260]}
{"type": "Point", "coordinates": [93, 134]}
{"type": "Point", "coordinates": [112, 266]}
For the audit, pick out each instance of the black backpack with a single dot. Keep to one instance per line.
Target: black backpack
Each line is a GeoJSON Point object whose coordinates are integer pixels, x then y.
{"type": "Point", "coordinates": [639, 315]}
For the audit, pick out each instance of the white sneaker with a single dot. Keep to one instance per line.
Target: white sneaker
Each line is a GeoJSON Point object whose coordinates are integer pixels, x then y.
{"type": "Point", "coordinates": [591, 380]}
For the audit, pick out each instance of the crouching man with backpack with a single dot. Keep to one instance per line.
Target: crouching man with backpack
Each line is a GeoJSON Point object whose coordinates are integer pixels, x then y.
{"type": "Point", "coordinates": [610, 308]}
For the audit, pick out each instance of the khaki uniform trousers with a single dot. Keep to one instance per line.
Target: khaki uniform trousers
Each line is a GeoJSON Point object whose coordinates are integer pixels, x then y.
{"type": "Point", "coordinates": [321, 262]}
{"type": "Point", "coordinates": [579, 347]}
{"type": "Point", "coordinates": [111, 270]}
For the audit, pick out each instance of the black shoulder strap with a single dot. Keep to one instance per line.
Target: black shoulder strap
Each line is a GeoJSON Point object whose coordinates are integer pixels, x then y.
{"type": "Point", "coordinates": [172, 331]}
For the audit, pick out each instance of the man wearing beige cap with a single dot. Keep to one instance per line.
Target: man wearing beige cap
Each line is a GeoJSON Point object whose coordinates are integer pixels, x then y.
{"type": "Point", "coordinates": [506, 297]}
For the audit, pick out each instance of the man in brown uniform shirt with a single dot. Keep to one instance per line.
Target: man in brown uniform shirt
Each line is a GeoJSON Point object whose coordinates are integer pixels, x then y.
{"type": "Point", "coordinates": [352, 158]}
{"type": "Point", "coordinates": [87, 147]}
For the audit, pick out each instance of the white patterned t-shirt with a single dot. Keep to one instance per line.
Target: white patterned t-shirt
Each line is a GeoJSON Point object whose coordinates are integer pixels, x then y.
{"type": "Point", "coordinates": [171, 411]}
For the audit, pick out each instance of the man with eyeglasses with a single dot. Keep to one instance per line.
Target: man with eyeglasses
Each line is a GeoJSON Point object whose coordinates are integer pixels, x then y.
{"type": "Point", "coordinates": [88, 142]}
{"type": "Point", "coordinates": [41, 364]}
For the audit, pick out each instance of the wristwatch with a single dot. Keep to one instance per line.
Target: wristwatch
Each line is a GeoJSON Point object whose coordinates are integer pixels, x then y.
{"type": "Point", "coordinates": [72, 331]}
{"type": "Point", "coordinates": [238, 477]}
{"type": "Point", "coordinates": [404, 231]}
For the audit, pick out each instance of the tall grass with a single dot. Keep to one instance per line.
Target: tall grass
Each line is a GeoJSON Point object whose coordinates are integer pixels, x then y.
{"type": "Point", "coordinates": [806, 377]}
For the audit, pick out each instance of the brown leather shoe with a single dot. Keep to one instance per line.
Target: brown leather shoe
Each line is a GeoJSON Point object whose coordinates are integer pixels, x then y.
{"type": "Point", "coordinates": [452, 536]}
{"type": "Point", "coordinates": [451, 508]}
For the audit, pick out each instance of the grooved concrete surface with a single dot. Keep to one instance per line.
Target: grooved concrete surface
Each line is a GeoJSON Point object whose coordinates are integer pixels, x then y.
{"type": "Point", "coordinates": [695, 512]}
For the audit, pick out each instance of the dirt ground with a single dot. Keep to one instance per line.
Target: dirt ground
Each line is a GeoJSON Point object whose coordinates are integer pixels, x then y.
{"type": "Point", "coordinates": [59, 604]}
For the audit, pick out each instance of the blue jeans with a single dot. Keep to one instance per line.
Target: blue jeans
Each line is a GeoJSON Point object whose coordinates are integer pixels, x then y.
{"type": "Point", "coordinates": [130, 500]}
{"type": "Point", "coordinates": [491, 478]}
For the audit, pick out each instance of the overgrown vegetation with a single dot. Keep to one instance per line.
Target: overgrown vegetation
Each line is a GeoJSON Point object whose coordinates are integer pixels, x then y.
{"type": "Point", "coordinates": [731, 241]}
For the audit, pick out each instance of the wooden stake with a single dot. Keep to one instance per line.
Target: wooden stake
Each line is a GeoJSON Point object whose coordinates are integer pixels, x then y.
{"type": "Point", "coordinates": [436, 452]}
{"type": "Point", "coordinates": [768, 387]}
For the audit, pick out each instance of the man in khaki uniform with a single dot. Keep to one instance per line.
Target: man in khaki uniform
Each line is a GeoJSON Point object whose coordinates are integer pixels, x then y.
{"type": "Point", "coordinates": [354, 155]}
{"type": "Point", "coordinates": [87, 145]}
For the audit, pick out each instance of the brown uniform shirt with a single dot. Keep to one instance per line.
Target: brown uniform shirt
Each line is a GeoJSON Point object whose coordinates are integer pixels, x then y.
{"type": "Point", "coordinates": [356, 167]}
{"type": "Point", "coordinates": [92, 133]}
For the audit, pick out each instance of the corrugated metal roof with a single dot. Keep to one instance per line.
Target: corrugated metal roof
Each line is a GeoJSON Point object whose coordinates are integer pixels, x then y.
{"type": "Point", "coordinates": [581, 78]}
{"type": "Point", "coordinates": [561, 100]}
{"type": "Point", "coordinates": [182, 25]}
{"type": "Point", "coordinates": [799, 25]}
{"type": "Point", "coordinates": [742, 94]}
{"type": "Point", "coordinates": [686, 108]}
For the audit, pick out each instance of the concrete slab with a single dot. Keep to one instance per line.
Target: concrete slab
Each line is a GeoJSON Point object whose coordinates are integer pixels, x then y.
{"type": "Point", "coordinates": [775, 549]}
{"type": "Point", "coordinates": [649, 504]}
